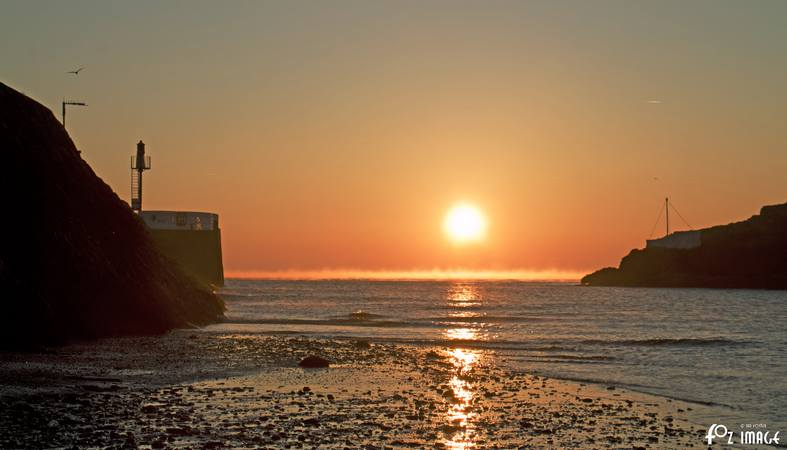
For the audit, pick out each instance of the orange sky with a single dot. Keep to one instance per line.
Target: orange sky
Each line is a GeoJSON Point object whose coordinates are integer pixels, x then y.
{"type": "Point", "coordinates": [335, 135]}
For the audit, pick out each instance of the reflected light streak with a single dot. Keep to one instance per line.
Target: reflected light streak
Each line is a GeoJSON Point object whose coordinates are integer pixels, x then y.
{"type": "Point", "coordinates": [461, 292]}
{"type": "Point", "coordinates": [462, 334]}
{"type": "Point", "coordinates": [461, 416]}
{"type": "Point", "coordinates": [465, 314]}
{"type": "Point", "coordinates": [463, 295]}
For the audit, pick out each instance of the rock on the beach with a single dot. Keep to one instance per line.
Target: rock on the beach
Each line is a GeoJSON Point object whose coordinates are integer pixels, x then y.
{"type": "Point", "coordinates": [314, 362]}
{"type": "Point", "coordinates": [361, 344]}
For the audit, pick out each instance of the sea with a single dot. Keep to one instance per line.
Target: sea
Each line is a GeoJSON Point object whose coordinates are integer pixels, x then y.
{"type": "Point", "coordinates": [723, 349]}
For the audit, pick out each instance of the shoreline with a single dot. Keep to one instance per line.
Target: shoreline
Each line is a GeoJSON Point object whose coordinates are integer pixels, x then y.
{"type": "Point", "coordinates": [231, 390]}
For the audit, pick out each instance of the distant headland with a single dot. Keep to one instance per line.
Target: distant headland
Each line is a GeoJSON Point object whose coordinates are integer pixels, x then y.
{"type": "Point", "coordinates": [749, 254]}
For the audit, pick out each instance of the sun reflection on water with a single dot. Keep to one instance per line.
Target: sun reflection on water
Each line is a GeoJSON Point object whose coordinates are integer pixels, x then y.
{"type": "Point", "coordinates": [463, 300]}
{"type": "Point", "coordinates": [459, 428]}
{"type": "Point", "coordinates": [460, 418]}
{"type": "Point", "coordinates": [464, 314]}
{"type": "Point", "coordinates": [461, 334]}
{"type": "Point", "coordinates": [463, 295]}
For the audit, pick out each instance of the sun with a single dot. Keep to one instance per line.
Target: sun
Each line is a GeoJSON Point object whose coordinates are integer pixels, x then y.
{"type": "Point", "coordinates": [465, 223]}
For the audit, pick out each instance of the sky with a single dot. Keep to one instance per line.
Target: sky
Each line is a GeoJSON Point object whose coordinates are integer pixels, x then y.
{"type": "Point", "coordinates": [334, 136]}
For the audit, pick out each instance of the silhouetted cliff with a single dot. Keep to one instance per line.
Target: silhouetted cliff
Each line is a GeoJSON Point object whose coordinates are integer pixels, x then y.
{"type": "Point", "coordinates": [75, 262]}
{"type": "Point", "coordinates": [748, 254]}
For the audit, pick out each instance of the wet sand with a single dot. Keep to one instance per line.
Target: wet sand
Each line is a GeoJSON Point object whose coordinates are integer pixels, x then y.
{"type": "Point", "coordinates": [209, 389]}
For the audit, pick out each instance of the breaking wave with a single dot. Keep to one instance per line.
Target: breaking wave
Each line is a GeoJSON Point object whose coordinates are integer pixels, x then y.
{"type": "Point", "coordinates": [681, 342]}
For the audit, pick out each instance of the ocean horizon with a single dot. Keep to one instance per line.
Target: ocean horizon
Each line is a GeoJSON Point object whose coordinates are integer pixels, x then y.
{"type": "Point", "coordinates": [524, 275]}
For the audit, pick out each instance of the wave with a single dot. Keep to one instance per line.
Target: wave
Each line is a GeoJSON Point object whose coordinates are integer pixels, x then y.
{"type": "Point", "coordinates": [366, 319]}
{"type": "Point", "coordinates": [474, 344]}
{"type": "Point", "coordinates": [681, 342]}
{"type": "Point", "coordinates": [576, 357]}
{"type": "Point", "coordinates": [547, 360]}
{"type": "Point", "coordinates": [643, 389]}
{"type": "Point", "coordinates": [362, 316]}
{"type": "Point", "coordinates": [346, 321]}
{"type": "Point", "coordinates": [485, 319]}
{"type": "Point", "coordinates": [226, 296]}
{"type": "Point", "coordinates": [564, 359]}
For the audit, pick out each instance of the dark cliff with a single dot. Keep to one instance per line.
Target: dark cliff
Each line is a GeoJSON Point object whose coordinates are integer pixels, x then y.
{"type": "Point", "coordinates": [75, 262]}
{"type": "Point", "coordinates": [748, 254]}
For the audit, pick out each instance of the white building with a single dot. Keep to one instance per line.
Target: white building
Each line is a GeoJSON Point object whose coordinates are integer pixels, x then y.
{"type": "Point", "coordinates": [180, 220]}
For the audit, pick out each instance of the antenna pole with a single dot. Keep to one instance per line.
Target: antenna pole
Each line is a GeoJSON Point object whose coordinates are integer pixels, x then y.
{"type": "Point", "coordinates": [666, 206]}
{"type": "Point", "coordinates": [66, 103]}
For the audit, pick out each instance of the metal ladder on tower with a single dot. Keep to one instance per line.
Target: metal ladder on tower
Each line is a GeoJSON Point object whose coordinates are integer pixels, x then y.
{"type": "Point", "coordinates": [136, 202]}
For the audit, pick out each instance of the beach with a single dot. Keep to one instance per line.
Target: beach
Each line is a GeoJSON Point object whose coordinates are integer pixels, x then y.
{"type": "Point", "coordinates": [393, 224]}
{"type": "Point", "coordinates": [213, 389]}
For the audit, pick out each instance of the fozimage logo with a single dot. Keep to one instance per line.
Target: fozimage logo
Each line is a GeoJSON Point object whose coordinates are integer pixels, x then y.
{"type": "Point", "coordinates": [749, 434]}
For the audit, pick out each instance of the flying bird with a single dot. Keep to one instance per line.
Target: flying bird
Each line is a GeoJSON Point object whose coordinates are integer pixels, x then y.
{"type": "Point", "coordinates": [76, 72]}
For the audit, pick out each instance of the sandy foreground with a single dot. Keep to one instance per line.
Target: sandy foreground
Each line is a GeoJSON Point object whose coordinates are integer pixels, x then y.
{"type": "Point", "coordinates": [212, 389]}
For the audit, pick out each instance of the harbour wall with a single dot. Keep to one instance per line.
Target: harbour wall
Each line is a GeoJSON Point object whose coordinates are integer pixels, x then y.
{"type": "Point", "coordinates": [197, 251]}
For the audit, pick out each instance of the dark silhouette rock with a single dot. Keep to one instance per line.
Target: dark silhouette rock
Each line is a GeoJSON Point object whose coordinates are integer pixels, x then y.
{"type": "Point", "coordinates": [314, 362]}
{"type": "Point", "coordinates": [361, 344]}
{"type": "Point", "coordinates": [75, 262]}
{"type": "Point", "coordinates": [311, 422]}
{"type": "Point", "coordinates": [748, 254]}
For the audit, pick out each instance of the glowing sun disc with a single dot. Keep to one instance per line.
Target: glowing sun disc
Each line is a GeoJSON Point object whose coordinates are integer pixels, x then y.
{"type": "Point", "coordinates": [465, 223]}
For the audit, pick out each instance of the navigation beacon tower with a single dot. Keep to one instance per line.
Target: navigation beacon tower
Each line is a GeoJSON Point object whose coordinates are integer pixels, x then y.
{"type": "Point", "coordinates": [138, 165]}
{"type": "Point", "coordinates": [192, 239]}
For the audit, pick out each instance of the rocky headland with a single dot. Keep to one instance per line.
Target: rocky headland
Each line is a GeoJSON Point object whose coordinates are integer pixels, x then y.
{"type": "Point", "coordinates": [750, 254]}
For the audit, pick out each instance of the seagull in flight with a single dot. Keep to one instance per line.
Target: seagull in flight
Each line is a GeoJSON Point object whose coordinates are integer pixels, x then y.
{"type": "Point", "coordinates": [76, 72]}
